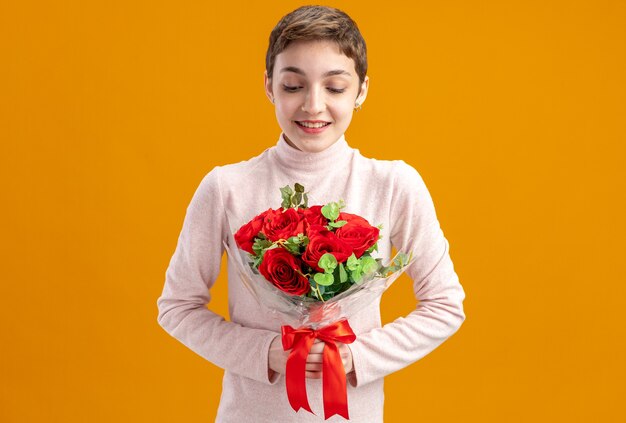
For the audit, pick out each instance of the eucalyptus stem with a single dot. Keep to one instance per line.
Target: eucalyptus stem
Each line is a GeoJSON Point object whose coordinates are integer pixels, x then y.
{"type": "Point", "coordinates": [319, 294]}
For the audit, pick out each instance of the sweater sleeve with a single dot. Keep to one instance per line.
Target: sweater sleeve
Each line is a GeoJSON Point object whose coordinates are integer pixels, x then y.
{"type": "Point", "coordinates": [439, 314]}
{"type": "Point", "coordinates": [192, 271]}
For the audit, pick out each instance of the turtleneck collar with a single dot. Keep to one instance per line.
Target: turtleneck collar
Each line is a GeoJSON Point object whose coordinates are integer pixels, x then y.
{"type": "Point", "coordinates": [292, 158]}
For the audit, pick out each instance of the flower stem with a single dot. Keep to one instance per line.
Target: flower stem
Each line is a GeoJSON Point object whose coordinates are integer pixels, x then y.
{"type": "Point", "coordinates": [319, 294]}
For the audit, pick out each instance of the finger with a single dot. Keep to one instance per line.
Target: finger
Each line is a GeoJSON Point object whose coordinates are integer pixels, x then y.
{"type": "Point", "coordinates": [319, 360]}
{"type": "Point", "coordinates": [313, 367]}
{"type": "Point", "coordinates": [315, 358]}
{"type": "Point", "coordinates": [317, 348]}
{"type": "Point", "coordinates": [344, 349]}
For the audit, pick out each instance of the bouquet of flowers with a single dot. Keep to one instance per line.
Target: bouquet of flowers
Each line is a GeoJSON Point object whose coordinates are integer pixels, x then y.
{"type": "Point", "coordinates": [313, 267]}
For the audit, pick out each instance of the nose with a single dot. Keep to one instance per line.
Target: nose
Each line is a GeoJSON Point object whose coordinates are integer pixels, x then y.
{"type": "Point", "coordinates": [314, 102]}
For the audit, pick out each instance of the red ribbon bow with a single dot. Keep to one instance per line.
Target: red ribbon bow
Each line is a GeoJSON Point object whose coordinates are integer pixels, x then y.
{"type": "Point", "coordinates": [333, 373]}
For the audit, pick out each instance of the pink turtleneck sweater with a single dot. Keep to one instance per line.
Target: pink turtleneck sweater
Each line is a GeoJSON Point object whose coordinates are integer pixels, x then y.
{"type": "Point", "coordinates": [390, 193]}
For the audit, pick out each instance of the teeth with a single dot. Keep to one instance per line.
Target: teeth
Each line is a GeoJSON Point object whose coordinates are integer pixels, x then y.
{"type": "Point", "coordinates": [312, 125]}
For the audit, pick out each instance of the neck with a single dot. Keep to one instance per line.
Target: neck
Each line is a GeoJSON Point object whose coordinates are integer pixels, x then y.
{"type": "Point", "coordinates": [292, 158]}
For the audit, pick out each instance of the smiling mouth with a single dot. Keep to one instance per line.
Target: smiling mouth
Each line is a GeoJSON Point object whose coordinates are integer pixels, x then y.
{"type": "Point", "coordinates": [305, 124]}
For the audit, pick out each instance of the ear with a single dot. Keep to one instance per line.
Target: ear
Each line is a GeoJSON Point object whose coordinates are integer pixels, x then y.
{"type": "Point", "coordinates": [363, 93]}
{"type": "Point", "coordinates": [268, 87]}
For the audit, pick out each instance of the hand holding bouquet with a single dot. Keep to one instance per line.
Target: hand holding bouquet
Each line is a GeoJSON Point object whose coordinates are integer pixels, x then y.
{"type": "Point", "coordinates": [317, 270]}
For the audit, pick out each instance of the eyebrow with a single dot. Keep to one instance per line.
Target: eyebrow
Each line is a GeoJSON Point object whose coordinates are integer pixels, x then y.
{"type": "Point", "coordinates": [326, 74]}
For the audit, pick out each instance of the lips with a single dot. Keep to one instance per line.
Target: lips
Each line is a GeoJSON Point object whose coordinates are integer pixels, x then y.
{"type": "Point", "coordinates": [312, 124]}
{"type": "Point", "coordinates": [312, 127]}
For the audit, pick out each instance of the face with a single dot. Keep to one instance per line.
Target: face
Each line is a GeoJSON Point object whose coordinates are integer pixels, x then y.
{"type": "Point", "coordinates": [314, 87]}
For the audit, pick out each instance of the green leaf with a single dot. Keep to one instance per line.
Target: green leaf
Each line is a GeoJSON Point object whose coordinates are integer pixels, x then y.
{"type": "Point", "coordinates": [306, 201]}
{"type": "Point", "coordinates": [325, 279]}
{"type": "Point", "coordinates": [353, 262]}
{"type": "Point", "coordinates": [260, 244]}
{"type": "Point", "coordinates": [343, 276]}
{"type": "Point", "coordinates": [298, 188]}
{"type": "Point", "coordinates": [402, 259]}
{"type": "Point", "coordinates": [337, 279]}
{"type": "Point", "coordinates": [357, 276]}
{"type": "Point", "coordinates": [331, 211]}
{"type": "Point", "coordinates": [338, 224]}
{"type": "Point", "coordinates": [292, 248]}
{"type": "Point", "coordinates": [286, 194]}
{"type": "Point", "coordinates": [336, 285]}
{"type": "Point", "coordinates": [297, 198]}
{"type": "Point", "coordinates": [328, 262]}
{"type": "Point", "coordinates": [368, 265]}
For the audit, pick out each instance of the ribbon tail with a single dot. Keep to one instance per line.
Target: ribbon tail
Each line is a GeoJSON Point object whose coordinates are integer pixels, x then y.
{"type": "Point", "coordinates": [295, 376]}
{"type": "Point", "coordinates": [334, 383]}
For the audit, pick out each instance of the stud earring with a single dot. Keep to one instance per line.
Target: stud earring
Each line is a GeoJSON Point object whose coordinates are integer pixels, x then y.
{"type": "Point", "coordinates": [357, 106]}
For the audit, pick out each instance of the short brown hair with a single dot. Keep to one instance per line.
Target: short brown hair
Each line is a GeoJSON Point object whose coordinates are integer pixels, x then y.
{"type": "Point", "coordinates": [308, 23]}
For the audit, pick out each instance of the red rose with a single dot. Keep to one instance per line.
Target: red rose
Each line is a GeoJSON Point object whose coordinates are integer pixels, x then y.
{"type": "Point", "coordinates": [357, 233]}
{"type": "Point", "coordinates": [246, 234]}
{"type": "Point", "coordinates": [322, 241]}
{"type": "Point", "coordinates": [282, 269]}
{"type": "Point", "coordinates": [282, 224]}
{"type": "Point", "coordinates": [313, 216]}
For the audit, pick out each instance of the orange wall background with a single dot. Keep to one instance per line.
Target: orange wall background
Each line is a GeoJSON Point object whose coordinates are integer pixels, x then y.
{"type": "Point", "coordinates": [111, 112]}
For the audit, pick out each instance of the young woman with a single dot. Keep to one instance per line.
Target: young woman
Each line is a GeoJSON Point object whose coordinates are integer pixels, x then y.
{"type": "Point", "coordinates": [315, 77]}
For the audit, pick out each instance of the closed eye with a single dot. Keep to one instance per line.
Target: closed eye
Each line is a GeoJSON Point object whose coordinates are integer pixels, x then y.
{"type": "Point", "coordinates": [290, 89]}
